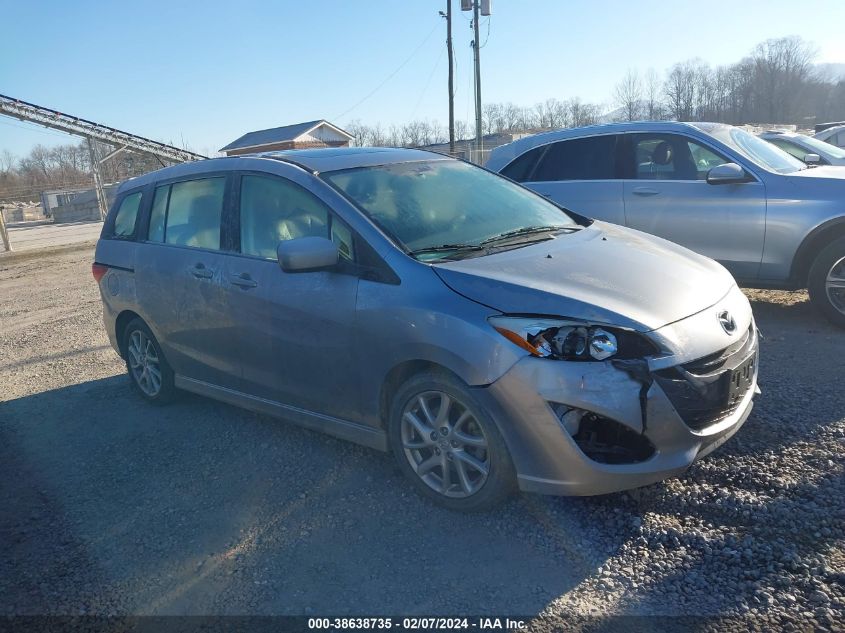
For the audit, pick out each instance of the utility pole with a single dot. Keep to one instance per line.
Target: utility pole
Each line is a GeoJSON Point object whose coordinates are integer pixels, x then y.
{"type": "Point", "coordinates": [476, 46]}
{"type": "Point", "coordinates": [3, 233]}
{"type": "Point", "coordinates": [451, 77]}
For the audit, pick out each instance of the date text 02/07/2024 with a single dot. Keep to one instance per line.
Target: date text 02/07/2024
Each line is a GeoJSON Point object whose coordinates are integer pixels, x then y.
{"type": "Point", "coordinates": [417, 623]}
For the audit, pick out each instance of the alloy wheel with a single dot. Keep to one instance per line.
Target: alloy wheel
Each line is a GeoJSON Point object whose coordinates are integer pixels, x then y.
{"type": "Point", "coordinates": [835, 285]}
{"type": "Point", "coordinates": [445, 444]}
{"type": "Point", "coordinates": [144, 363]}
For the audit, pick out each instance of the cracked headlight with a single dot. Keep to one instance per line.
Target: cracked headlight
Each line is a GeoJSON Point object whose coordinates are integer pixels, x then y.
{"type": "Point", "coordinates": [571, 340]}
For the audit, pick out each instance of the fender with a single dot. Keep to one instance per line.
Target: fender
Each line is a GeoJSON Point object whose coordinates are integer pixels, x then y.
{"type": "Point", "coordinates": [813, 242]}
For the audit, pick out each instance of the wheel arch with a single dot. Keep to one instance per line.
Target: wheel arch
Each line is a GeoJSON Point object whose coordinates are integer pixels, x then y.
{"type": "Point", "coordinates": [815, 241]}
{"type": "Point", "coordinates": [401, 373]}
{"type": "Point", "coordinates": [121, 322]}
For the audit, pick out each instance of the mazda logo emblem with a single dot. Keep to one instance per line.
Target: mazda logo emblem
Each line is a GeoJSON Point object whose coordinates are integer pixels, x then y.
{"type": "Point", "coordinates": [727, 322]}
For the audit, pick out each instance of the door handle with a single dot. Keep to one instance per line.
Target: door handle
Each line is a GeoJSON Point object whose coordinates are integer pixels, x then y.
{"type": "Point", "coordinates": [644, 191]}
{"type": "Point", "coordinates": [201, 272]}
{"type": "Point", "coordinates": [243, 280]}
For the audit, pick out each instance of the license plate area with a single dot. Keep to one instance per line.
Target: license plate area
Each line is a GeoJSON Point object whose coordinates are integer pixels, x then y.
{"type": "Point", "coordinates": [740, 379]}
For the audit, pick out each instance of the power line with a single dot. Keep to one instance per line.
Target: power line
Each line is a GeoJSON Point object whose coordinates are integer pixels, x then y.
{"type": "Point", "coordinates": [428, 81]}
{"type": "Point", "coordinates": [391, 75]}
{"type": "Point", "coordinates": [487, 37]}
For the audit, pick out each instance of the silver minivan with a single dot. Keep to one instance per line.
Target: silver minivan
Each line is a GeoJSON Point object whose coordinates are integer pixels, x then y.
{"type": "Point", "coordinates": [419, 304]}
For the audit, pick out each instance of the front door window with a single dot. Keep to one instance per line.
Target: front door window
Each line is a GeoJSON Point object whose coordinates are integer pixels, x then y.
{"type": "Point", "coordinates": [672, 157]}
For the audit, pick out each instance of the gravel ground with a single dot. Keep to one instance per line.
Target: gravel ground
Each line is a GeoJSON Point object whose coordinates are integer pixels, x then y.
{"type": "Point", "coordinates": [111, 506]}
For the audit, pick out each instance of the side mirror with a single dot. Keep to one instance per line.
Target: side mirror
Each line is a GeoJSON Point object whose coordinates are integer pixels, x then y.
{"type": "Point", "coordinates": [305, 254]}
{"type": "Point", "coordinates": [812, 159]}
{"type": "Point", "coordinates": [726, 174]}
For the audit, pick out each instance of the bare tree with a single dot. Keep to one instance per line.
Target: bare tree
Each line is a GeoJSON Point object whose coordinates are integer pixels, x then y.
{"type": "Point", "coordinates": [511, 117]}
{"type": "Point", "coordinates": [491, 118]}
{"type": "Point", "coordinates": [651, 96]}
{"type": "Point", "coordinates": [704, 97]}
{"type": "Point", "coordinates": [629, 95]}
{"type": "Point", "coordinates": [7, 162]}
{"type": "Point", "coordinates": [540, 117]}
{"type": "Point", "coordinates": [376, 136]}
{"type": "Point", "coordinates": [359, 132]}
{"type": "Point", "coordinates": [679, 88]}
{"type": "Point", "coordinates": [581, 114]}
{"type": "Point", "coordinates": [558, 113]}
{"type": "Point", "coordinates": [461, 129]}
{"type": "Point", "coordinates": [781, 67]}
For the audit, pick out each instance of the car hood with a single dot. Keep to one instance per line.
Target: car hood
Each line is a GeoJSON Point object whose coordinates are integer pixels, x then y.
{"type": "Point", "coordinates": [819, 183]}
{"type": "Point", "coordinates": [831, 172]}
{"type": "Point", "coordinates": [602, 274]}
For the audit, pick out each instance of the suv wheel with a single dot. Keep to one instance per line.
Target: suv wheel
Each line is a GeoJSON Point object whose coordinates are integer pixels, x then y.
{"type": "Point", "coordinates": [827, 282]}
{"type": "Point", "coordinates": [148, 369]}
{"type": "Point", "coordinates": [448, 445]}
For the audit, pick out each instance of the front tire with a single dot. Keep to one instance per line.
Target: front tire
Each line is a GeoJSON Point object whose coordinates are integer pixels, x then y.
{"type": "Point", "coordinates": [448, 445]}
{"type": "Point", "coordinates": [826, 283]}
{"type": "Point", "coordinates": [148, 369]}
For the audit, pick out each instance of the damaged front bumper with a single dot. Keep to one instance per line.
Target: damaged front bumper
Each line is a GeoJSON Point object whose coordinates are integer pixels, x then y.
{"type": "Point", "coordinates": [587, 428]}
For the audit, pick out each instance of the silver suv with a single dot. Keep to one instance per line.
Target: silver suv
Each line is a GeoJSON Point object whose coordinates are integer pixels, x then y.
{"type": "Point", "coordinates": [416, 303]}
{"type": "Point", "coordinates": [716, 189]}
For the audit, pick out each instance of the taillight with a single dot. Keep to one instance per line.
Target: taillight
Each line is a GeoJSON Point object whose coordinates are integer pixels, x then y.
{"type": "Point", "coordinates": [98, 270]}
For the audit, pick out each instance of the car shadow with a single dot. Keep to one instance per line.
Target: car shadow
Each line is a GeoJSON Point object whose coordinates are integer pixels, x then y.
{"type": "Point", "coordinates": [199, 507]}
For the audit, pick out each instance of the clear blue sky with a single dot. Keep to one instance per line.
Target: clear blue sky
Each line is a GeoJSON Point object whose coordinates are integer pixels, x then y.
{"type": "Point", "coordinates": [206, 72]}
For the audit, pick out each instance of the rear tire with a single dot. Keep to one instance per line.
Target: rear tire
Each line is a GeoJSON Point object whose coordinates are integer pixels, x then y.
{"type": "Point", "coordinates": [826, 282]}
{"type": "Point", "coordinates": [448, 445]}
{"type": "Point", "coordinates": [148, 369]}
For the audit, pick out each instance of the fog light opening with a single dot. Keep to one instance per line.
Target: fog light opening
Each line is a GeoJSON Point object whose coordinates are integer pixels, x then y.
{"type": "Point", "coordinates": [603, 440]}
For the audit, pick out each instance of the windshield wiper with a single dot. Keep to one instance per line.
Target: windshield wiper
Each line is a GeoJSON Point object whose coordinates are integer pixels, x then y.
{"type": "Point", "coordinates": [528, 230]}
{"type": "Point", "coordinates": [462, 248]}
{"type": "Point", "coordinates": [446, 248]}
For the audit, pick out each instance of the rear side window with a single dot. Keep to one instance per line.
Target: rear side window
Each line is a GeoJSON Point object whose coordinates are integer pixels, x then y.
{"type": "Point", "coordinates": [188, 213]}
{"type": "Point", "coordinates": [127, 214]}
{"type": "Point", "coordinates": [521, 169]}
{"type": "Point", "coordinates": [591, 158]}
{"type": "Point", "coordinates": [158, 215]}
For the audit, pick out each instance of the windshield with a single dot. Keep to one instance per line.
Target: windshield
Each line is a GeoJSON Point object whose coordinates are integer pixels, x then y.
{"type": "Point", "coordinates": [825, 149]}
{"type": "Point", "coordinates": [439, 204]}
{"type": "Point", "coordinates": [755, 149]}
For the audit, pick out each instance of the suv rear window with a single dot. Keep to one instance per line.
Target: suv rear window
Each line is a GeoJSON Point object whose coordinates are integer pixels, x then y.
{"type": "Point", "coordinates": [589, 158]}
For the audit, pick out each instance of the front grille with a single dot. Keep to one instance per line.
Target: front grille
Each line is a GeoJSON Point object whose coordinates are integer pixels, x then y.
{"type": "Point", "coordinates": [713, 362]}
{"type": "Point", "coordinates": [701, 390]}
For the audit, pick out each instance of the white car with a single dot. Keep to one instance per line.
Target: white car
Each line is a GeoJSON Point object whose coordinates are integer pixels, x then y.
{"type": "Point", "coordinates": [806, 148]}
{"type": "Point", "coordinates": [834, 135]}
